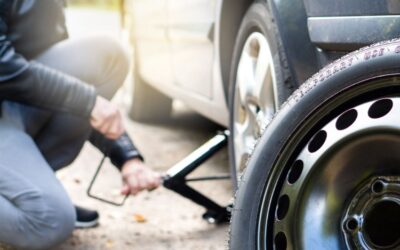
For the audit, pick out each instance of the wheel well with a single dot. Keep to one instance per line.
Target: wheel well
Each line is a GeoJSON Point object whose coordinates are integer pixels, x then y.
{"type": "Point", "coordinates": [231, 17]}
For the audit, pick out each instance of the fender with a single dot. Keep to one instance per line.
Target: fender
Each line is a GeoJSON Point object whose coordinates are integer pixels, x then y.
{"type": "Point", "coordinates": [291, 19]}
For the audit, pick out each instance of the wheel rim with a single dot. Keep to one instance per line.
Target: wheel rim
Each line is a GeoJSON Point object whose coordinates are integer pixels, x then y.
{"type": "Point", "coordinates": [343, 188]}
{"type": "Point", "coordinates": [255, 96]}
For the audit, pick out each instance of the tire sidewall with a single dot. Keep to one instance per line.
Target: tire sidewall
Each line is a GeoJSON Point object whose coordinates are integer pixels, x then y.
{"type": "Point", "coordinates": [314, 95]}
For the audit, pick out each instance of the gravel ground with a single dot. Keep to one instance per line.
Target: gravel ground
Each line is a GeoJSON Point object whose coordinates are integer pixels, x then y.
{"type": "Point", "coordinates": [160, 219]}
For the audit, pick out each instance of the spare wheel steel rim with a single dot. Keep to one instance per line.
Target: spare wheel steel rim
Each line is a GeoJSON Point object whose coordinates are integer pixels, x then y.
{"type": "Point", "coordinates": [345, 184]}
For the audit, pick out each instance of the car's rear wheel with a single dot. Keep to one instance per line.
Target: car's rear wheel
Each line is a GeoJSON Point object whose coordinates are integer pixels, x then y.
{"type": "Point", "coordinates": [259, 82]}
{"type": "Point", "coordinates": [325, 174]}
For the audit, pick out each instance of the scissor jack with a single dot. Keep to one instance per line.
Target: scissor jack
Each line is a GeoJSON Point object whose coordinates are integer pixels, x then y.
{"type": "Point", "coordinates": [175, 179]}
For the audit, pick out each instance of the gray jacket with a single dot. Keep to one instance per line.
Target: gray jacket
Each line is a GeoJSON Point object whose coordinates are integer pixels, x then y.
{"type": "Point", "coordinates": [27, 27]}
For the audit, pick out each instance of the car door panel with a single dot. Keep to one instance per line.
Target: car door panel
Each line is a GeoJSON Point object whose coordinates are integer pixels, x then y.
{"type": "Point", "coordinates": [152, 46]}
{"type": "Point", "coordinates": [190, 25]}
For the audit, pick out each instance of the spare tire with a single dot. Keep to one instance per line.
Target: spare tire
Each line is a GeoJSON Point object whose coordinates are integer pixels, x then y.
{"type": "Point", "coordinates": [325, 174]}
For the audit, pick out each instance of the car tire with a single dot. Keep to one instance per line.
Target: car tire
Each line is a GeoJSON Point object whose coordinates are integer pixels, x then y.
{"type": "Point", "coordinates": [258, 38]}
{"type": "Point", "coordinates": [327, 116]}
{"type": "Point", "coordinates": [148, 104]}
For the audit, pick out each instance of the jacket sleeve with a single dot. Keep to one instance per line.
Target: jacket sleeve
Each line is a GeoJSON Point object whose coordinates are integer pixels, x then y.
{"type": "Point", "coordinates": [119, 151]}
{"type": "Point", "coordinates": [34, 84]}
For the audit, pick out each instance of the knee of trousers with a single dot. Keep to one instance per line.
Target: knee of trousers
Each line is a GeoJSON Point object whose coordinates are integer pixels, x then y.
{"type": "Point", "coordinates": [116, 62]}
{"type": "Point", "coordinates": [47, 226]}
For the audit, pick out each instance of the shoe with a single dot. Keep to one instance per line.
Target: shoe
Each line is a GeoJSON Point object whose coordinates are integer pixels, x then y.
{"type": "Point", "coordinates": [86, 218]}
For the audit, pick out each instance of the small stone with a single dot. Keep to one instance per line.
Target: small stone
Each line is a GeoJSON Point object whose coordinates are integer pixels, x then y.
{"type": "Point", "coordinates": [139, 218]}
{"type": "Point", "coordinates": [109, 243]}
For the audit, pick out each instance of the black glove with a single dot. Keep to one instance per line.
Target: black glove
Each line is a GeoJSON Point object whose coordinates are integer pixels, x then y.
{"type": "Point", "coordinates": [119, 151]}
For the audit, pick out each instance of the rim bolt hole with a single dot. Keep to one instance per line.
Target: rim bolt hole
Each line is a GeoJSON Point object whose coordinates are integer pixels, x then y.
{"type": "Point", "coordinates": [377, 187]}
{"type": "Point", "coordinates": [380, 108]}
{"type": "Point", "coordinates": [346, 119]}
{"type": "Point", "coordinates": [317, 141]}
{"type": "Point", "coordinates": [351, 225]}
{"type": "Point", "coordinates": [280, 241]}
{"type": "Point", "coordinates": [295, 171]}
{"type": "Point", "coordinates": [283, 207]}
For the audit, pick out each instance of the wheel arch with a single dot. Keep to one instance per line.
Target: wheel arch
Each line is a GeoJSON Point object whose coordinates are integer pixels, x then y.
{"type": "Point", "coordinates": [302, 62]}
{"type": "Point", "coordinates": [232, 13]}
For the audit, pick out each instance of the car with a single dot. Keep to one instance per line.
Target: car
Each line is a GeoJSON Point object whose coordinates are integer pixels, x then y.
{"type": "Point", "coordinates": [184, 50]}
{"type": "Point", "coordinates": [237, 63]}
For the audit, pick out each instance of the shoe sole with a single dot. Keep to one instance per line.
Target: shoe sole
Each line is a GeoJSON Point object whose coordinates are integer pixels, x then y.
{"type": "Point", "coordinates": [89, 224]}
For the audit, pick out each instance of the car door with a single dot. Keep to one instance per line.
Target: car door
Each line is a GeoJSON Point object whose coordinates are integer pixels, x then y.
{"type": "Point", "coordinates": [149, 36]}
{"type": "Point", "coordinates": [190, 30]}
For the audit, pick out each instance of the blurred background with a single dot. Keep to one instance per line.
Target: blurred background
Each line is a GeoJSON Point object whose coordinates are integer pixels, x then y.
{"type": "Point", "coordinates": [98, 4]}
{"type": "Point", "coordinates": [160, 219]}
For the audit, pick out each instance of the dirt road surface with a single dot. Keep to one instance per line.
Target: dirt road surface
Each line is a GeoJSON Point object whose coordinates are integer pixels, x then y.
{"type": "Point", "coordinates": [151, 221]}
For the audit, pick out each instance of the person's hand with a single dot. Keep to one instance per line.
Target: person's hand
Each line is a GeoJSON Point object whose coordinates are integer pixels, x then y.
{"type": "Point", "coordinates": [138, 177]}
{"type": "Point", "coordinates": [106, 118]}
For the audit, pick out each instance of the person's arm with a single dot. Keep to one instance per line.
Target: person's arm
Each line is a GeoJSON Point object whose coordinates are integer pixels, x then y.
{"type": "Point", "coordinates": [119, 151]}
{"type": "Point", "coordinates": [127, 158]}
{"type": "Point", "coordinates": [37, 85]}
{"type": "Point", "coordinates": [34, 84]}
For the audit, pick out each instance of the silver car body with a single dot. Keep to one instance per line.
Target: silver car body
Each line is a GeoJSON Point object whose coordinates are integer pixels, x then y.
{"type": "Point", "coordinates": [177, 50]}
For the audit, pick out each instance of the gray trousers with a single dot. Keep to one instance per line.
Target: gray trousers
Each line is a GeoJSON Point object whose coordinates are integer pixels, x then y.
{"type": "Point", "coordinates": [35, 210]}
